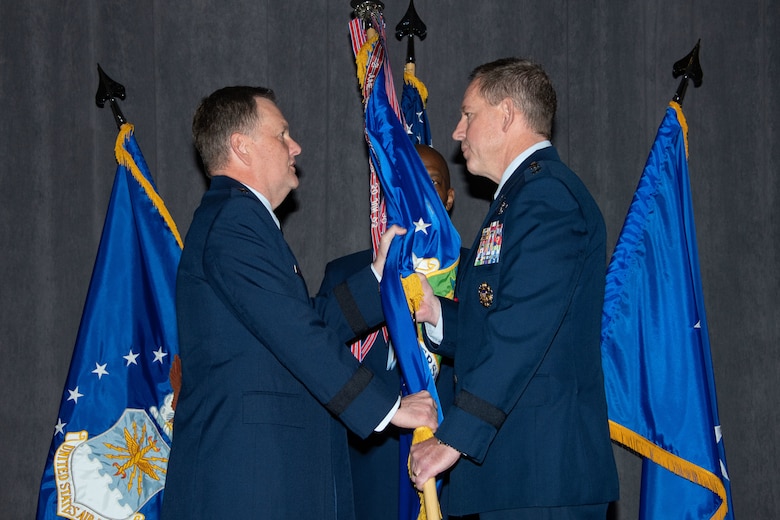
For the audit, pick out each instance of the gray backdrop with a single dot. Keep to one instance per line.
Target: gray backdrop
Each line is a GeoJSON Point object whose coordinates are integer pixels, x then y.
{"type": "Point", "coordinates": [611, 62]}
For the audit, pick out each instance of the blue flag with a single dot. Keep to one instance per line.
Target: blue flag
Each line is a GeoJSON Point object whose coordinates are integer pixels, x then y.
{"type": "Point", "coordinates": [413, 99]}
{"type": "Point", "coordinates": [109, 453]}
{"type": "Point", "coordinates": [655, 343]}
{"type": "Point", "coordinates": [431, 245]}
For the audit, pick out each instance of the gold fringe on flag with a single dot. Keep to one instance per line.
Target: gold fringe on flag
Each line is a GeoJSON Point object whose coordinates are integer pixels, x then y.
{"type": "Point", "coordinates": [683, 123]}
{"type": "Point", "coordinates": [677, 465]}
{"type": "Point", "coordinates": [124, 158]}
{"type": "Point", "coordinates": [412, 80]}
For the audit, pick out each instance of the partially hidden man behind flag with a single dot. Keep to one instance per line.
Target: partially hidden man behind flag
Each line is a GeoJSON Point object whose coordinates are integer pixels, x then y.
{"type": "Point", "coordinates": [655, 343]}
{"type": "Point", "coordinates": [109, 453]}
{"type": "Point", "coordinates": [431, 245]}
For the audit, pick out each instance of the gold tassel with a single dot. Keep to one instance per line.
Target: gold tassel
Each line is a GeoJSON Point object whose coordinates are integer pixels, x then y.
{"type": "Point", "coordinates": [361, 60]}
{"type": "Point", "coordinates": [413, 290]}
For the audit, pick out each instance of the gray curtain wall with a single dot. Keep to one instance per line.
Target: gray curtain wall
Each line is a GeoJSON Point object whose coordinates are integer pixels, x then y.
{"type": "Point", "coordinates": [610, 61]}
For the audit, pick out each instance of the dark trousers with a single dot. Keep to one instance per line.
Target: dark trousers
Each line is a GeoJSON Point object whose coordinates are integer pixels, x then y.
{"type": "Point", "coordinates": [588, 512]}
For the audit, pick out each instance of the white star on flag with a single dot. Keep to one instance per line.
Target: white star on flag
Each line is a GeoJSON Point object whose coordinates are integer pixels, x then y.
{"type": "Point", "coordinates": [59, 427]}
{"type": "Point", "coordinates": [718, 438]}
{"type": "Point", "coordinates": [130, 357]}
{"type": "Point", "coordinates": [100, 370]}
{"type": "Point", "coordinates": [420, 225]}
{"type": "Point", "coordinates": [408, 129]}
{"type": "Point", "coordinates": [74, 395]}
{"type": "Point", "coordinates": [159, 355]}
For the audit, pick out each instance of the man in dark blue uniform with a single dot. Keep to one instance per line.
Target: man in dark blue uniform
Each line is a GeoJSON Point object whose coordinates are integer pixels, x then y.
{"type": "Point", "coordinates": [267, 385]}
{"type": "Point", "coordinates": [527, 434]}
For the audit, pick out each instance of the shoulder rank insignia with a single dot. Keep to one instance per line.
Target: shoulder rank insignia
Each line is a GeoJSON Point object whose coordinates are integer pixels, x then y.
{"type": "Point", "coordinates": [535, 167]}
{"type": "Point", "coordinates": [485, 293]}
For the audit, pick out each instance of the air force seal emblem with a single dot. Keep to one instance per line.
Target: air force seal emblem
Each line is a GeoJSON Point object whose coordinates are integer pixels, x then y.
{"type": "Point", "coordinates": [112, 475]}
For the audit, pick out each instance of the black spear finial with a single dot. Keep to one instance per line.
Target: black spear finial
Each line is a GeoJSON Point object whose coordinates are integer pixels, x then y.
{"type": "Point", "coordinates": [109, 90]}
{"type": "Point", "coordinates": [690, 69]}
{"type": "Point", "coordinates": [410, 25]}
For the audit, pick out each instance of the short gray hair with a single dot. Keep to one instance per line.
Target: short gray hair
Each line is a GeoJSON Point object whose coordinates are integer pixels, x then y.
{"type": "Point", "coordinates": [525, 83]}
{"type": "Point", "coordinates": [220, 115]}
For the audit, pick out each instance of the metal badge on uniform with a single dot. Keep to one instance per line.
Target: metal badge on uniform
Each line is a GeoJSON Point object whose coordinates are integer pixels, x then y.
{"type": "Point", "coordinates": [489, 249]}
{"type": "Point", "coordinates": [297, 270]}
{"type": "Point", "coordinates": [502, 207]}
{"type": "Point", "coordinates": [485, 293]}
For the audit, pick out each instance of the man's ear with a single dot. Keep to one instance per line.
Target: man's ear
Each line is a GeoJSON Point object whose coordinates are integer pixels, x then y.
{"type": "Point", "coordinates": [239, 145]}
{"type": "Point", "coordinates": [450, 199]}
{"type": "Point", "coordinates": [508, 112]}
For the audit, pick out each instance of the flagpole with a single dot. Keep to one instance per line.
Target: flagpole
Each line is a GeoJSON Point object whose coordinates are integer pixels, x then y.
{"type": "Point", "coordinates": [369, 12]}
{"type": "Point", "coordinates": [410, 26]}
{"type": "Point", "coordinates": [684, 471]}
{"type": "Point", "coordinates": [126, 404]}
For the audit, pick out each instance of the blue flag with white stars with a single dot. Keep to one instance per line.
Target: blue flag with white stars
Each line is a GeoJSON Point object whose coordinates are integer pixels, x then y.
{"type": "Point", "coordinates": [109, 450]}
{"type": "Point", "coordinates": [655, 343]}
{"type": "Point", "coordinates": [413, 109]}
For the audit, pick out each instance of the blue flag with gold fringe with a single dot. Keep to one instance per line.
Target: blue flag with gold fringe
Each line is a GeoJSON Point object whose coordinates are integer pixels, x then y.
{"type": "Point", "coordinates": [431, 245]}
{"type": "Point", "coordinates": [655, 343]}
{"type": "Point", "coordinates": [109, 453]}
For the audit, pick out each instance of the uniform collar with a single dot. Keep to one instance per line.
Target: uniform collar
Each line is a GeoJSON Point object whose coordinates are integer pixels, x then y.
{"type": "Point", "coordinates": [266, 204]}
{"type": "Point", "coordinates": [518, 161]}
{"type": "Point", "coordinates": [224, 182]}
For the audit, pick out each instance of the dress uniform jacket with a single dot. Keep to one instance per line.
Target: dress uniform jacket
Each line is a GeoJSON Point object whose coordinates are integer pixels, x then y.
{"type": "Point", "coordinates": [267, 385]}
{"type": "Point", "coordinates": [529, 410]}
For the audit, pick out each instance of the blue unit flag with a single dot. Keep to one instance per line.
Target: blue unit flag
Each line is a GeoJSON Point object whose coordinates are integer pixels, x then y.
{"type": "Point", "coordinates": [655, 343]}
{"type": "Point", "coordinates": [431, 245]}
{"type": "Point", "coordinates": [109, 453]}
